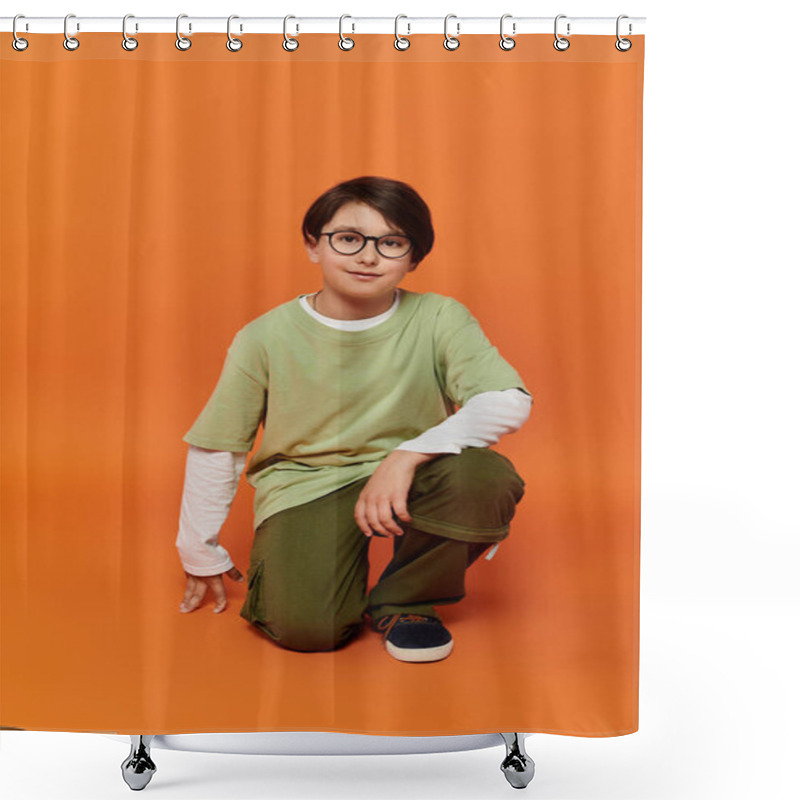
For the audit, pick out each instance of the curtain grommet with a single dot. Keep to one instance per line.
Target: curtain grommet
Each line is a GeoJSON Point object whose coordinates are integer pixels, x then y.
{"type": "Point", "coordinates": [182, 42]}
{"type": "Point", "coordinates": [128, 42]}
{"type": "Point", "coordinates": [233, 44]}
{"type": "Point", "coordinates": [401, 43]}
{"type": "Point", "coordinates": [451, 42]}
{"type": "Point", "coordinates": [290, 44]}
{"type": "Point", "coordinates": [345, 42]}
{"type": "Point", "coordinates": [623, 45]}
{"type": "Point", "coordinates": [70, 42]}
{"type": "Point", "coordinates": [18, 43]}
{"type": "Point", "coordinates": [560, 43]}
{"type": "Point", "coordinates": [507, 42]}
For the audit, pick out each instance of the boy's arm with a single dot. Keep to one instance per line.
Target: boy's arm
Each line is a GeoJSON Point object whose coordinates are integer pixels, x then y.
{"type": "Point", "coordinates": [467, 363]}
{"type": "Point", "coordinates": [212, 477]}
{"type": "Point", "coordinates": [480, 422]}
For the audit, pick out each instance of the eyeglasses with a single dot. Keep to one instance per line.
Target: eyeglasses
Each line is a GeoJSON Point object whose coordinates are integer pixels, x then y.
{"type": "Point", "coordinates": [348, 243]}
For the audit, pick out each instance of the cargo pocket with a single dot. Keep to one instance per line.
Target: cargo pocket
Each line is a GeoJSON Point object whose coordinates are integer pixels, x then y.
{"type": "Point", "coordinates": [253, 609]}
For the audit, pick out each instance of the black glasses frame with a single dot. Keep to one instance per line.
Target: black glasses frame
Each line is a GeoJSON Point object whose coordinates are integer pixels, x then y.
{"type": "Point", "coordinates": [376, 239]}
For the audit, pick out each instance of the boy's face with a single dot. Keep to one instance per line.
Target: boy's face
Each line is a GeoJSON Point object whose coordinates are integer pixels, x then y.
{"type": "Point", "coordinates": [339, 272]}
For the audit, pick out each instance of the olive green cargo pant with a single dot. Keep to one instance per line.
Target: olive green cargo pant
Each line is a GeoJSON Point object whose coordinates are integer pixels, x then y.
{"type": "Point", "coordinates": [307, 579]}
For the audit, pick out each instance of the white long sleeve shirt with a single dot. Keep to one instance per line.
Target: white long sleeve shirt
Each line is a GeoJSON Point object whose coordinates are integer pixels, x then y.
{"type": "Point", "coordinates": [212, 476]}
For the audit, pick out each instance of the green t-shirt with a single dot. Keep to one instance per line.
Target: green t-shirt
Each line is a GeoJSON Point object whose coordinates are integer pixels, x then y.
{"type": "Point", "coordinates": [334, 403]}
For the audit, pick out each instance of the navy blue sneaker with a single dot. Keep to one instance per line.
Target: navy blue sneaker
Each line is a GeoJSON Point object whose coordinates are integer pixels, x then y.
{"type": "Point", "coordinates": [413, 637]}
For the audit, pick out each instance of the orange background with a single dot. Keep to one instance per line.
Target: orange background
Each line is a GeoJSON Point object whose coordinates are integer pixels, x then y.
{"type": "Point", "coordinates": [152, 204]}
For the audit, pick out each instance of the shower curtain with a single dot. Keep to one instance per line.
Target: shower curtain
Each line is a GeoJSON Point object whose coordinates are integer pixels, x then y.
{"type": "Point", "coordinates": [152, 203]}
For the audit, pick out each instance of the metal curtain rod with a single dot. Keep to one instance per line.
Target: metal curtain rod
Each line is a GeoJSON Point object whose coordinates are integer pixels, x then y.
{"type": "Point", "coordinates": [407, 25]}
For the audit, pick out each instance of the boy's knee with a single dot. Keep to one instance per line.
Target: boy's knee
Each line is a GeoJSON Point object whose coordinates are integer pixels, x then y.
{"type": "Point", "coordinates": [478, 471]}
{"type": "Point", "coordinates": [307, 635]}
{"type": "Point", "coordinates": [477, 488]}
{"type": "Point", "coordinates": [311, 638]}
{"type": "Point", "coordinates": [296, 620]}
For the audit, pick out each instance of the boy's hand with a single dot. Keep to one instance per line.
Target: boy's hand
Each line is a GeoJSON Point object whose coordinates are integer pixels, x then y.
{"type": "Point", "coordinates": [197, 585]}
{"type": "Point", "coordinates": [387, 490]}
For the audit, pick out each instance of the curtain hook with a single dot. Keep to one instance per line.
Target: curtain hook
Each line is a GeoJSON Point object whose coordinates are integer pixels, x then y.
{"type": "Point", "coordinates": [399, 42]}
{"type": "Point", "coordinates": [290, 44]}
{"type": "Point", "coordinates": [18, 43]}
{"type": "Point", "coordinates": [506, 42]}
{"type": "Point", "coordinates": [561, 43]}
{"type": "Point", "coordinates": [451, 42]}
{"type": "Point", "coordinates": [623, 45]}
{"type": "Point", "coordinates": [345, 43]}
{"type": "Point", "coordinates": [128, 42]}
{"type": "Point", "coordinates": [182, 43]}
{"type": "Point", "coordinates": [233, 44]}
{"type": "Point", "coordinates": [70, 42]}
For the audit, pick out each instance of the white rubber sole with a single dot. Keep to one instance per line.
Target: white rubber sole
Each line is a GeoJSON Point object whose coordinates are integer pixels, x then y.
{"type": "Point", "coordinates": [419, 655]}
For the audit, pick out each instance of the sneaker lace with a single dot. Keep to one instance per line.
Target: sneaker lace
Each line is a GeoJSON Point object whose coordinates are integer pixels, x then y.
{"type": "Point", "coordinates": [385, 624]}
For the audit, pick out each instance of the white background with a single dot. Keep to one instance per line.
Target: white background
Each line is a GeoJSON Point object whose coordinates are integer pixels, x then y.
{"type": "Point", "coordinates": [719, 698]}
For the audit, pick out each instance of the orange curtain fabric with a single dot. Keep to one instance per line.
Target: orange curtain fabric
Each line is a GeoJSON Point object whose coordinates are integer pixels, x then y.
{"type": "Point", "coordinates": [151, 206]}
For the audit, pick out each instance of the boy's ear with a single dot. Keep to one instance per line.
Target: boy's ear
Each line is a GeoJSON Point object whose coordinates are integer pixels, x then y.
{"type": "Point", "coordinates": [312, 250]}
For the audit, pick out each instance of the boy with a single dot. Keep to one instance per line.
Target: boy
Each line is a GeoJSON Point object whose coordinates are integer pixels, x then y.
{"type": "Point", "coordinates": [356, 385]}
